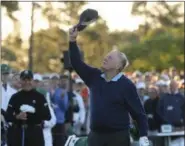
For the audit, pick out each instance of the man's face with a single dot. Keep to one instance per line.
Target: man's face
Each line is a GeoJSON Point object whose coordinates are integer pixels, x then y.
{"type": "Point", "coordinates": [141, 92]}
{"type": "Point", "coordinates": [27, 84]}
{"type": "Point", "coordinates": [64, 83]}
{"type": "Point", "coordinates": [54, 81]}
{"type": "Point", "coordinates": [173, 86]}
{"type": "Point", "coordinates": [164, 89]}
{"type": "Point", "coordinates": [16, 82]}
{"type": "Point", "coordinates": [78, 86]}
{"type": "Point", "coordinates": [152, 93]}
{"type": "Point", "coordinates": [148, 78]}
{"type": "Point", "coordinates": [111, 61]}
{"type": "Point", "coordinates": [4, 77]}
{"type": "Point", "coordinates": [36, 83]}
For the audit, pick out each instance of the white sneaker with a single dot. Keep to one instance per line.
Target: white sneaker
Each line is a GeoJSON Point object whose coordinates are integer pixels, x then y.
{"type": "Point", "coordinates": [71, 140]}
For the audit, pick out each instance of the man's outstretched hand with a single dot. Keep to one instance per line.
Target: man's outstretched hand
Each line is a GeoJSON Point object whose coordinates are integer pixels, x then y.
{"type": "Point", "coordinates": [73, 33]}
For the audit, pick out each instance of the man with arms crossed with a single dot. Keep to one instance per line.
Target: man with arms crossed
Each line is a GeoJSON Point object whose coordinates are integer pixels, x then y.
{"type": "Point", "coordinates": [113, 97]}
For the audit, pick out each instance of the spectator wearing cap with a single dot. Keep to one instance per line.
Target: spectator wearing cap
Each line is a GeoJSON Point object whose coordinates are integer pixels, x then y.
{"type": "Point", "coordinates": [78, 116]}
{"type": "Point", "coordinates": [141, 88]}
{"type": "Point", "coordinates": [76, 108]}
{"type": "Point", "coordinates": [54, 80]}
{"type": "Point", "coordinates": [169, 107]}
{"type": "Point", "coordinates": [165, 77]}
{"type": "Point", "coordinates": [15, 81]}
{"type": "Point", "coordinates": [79, 85]}
{"type": "Point", "coordinates": [37, 78]}
{"type": "Point", "coordinates": [163, 87]}
{"type": "Point", "coordinates": [6, 90]}
{"type": "Point", "coordinates": [27, 109]}
{"type": "Point", "coordinates": [81, 89]}
{"type": "Point", "coordinates": [48, 125]}
{"type": "Point", "coordinates": [60, 104]}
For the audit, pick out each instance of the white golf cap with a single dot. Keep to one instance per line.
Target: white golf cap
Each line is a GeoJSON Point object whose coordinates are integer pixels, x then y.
{"type": "Point", "coordinates": [140, 85]}
{"type": "Point", "coordinates": [54, 75]}
{"type": "Point", "coordinates": [79, 80]}
{"type": "Point", "coordinates": [37, 77]}
{"type": "Point", "coordinates": [137, 73]}
{"type": "Point", "coordinates": [162, 83]}
{"type": "Point", "coordinates": [165, 77]}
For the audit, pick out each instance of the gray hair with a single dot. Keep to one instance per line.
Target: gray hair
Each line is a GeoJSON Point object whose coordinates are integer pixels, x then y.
{"type": "Point", "coordinates": [124, 60]}
{"type": "Point", "coordinates": [123, 57]}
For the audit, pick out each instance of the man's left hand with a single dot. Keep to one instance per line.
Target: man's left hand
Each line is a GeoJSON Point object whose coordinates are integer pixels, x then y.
{"type": "Point", "coordinates": [143, 141]}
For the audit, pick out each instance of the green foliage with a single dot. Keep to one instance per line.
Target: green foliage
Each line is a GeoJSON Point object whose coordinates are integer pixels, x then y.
{"type": "Point", "coordinates": [48, 47]}
{"type": "Point", "coordinates": [66, 14]}
{"type": "Point", "coordinates": [138, 8]}
{"type": "Point", "coordinates": [160, 14]}
{"type": "Point", "coordinates": [14, 54]}
{"type": "Point", "coordinates": [71, 10]}
{"type": "Point", "coordinates": [11, 6]}
{"type": "Point", "coordinates": [52, 15]}
{"type": "Point", "coordinates": [159, 49]}
{"type": "Point", "coordinates": [7, 54]}
{"type": "Point", "coordinates": [156, 44]}
{"type": "Point", "coordinates": [161, 46]}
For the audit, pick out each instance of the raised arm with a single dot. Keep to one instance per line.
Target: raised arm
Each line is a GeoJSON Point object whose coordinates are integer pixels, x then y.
{"type": "Point", "coordinates": [85, 71]}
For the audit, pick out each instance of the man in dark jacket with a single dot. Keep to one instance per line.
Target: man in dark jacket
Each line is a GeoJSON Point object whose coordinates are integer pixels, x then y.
{"type": "Point", "coordinates": [27, 109]}
{"type": "Point", "coordinates": [169, 107]}
{"type": "Point", "coordinates": [151, 108]}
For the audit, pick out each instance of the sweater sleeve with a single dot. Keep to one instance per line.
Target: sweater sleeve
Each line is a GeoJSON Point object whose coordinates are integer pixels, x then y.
{"type": "Point", "coordinates": [51, 123]}
{"type": "Point", "coordinates": [136, 109]}
{"type": "Point", "coordinates": [11, 111]}
{"type": "Point", "coordinates": [85, 71]}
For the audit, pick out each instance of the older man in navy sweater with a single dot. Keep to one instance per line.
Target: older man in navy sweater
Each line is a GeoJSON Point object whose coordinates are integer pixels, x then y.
{"type": "Point", "coordinates": [113, 97]}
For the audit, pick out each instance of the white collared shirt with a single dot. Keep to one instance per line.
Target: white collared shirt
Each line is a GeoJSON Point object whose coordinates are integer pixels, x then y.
{"type": "Point", "coordinates": [6, 95]}
{"type": "Point", "coordinates": [115, 78]}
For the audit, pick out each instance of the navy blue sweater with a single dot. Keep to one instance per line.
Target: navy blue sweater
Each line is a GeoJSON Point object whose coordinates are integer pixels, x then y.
{"type": "Point", "coordinates": [169, 109]}
{"type": "Point", "coordinates": [111, 102]}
